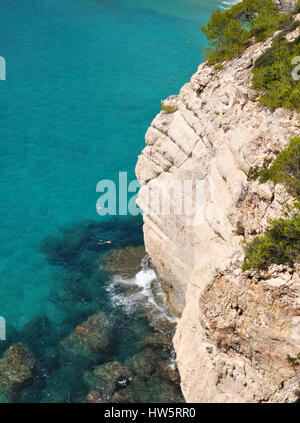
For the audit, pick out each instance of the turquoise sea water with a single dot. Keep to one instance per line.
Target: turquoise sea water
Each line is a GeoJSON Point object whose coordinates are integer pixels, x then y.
{"type": "Point", "coordinates": [84, 80]}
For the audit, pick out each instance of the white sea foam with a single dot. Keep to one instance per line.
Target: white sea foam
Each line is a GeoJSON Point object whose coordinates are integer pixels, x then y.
{"type": "Point", "coordinates": [143, 292]}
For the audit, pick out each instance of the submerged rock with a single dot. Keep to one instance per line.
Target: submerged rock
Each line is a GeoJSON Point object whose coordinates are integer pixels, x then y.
{"type": "Point", "coordinates": [163, 391]}
{"type": "Point", "coordinates": [94, 397]}
{"type": "Point", "coordinates": [149, 377]}
{"type": "Point", "coordinates": [125, 262]}
{"type": "Point", "coordinates": [169, 371]}
{"type": "Point", "coordinates": [3, 399]}
{"type": "Point", "coordinates": [157, 340]}
{"type": "Point", "coordinates": [143, 364]}
{"type": "Point", "coordinates": [107, 378]}
{"type": "Point", "coordinates": [91, 337]}
{"type": "Point", "coordinates": [17, 369]}
{"type": "Point", "coordinates": [158, 320]}
{"type": "Point", "coordinates": [124, 396]}
{"type": "Point", "coordinates": [154, 389]}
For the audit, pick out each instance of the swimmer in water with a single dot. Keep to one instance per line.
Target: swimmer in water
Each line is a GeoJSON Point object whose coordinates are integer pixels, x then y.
{"type": "Point", "coordinates": [101, 242]}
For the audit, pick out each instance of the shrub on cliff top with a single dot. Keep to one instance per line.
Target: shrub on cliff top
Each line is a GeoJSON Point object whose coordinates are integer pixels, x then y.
{"type": "Point", "coordinates": [229, 32]}
{"type": "Point", "coordinates": [167, 108]}
{"type": "Point", "coordinates": [226, 36]}
{"type": "Point", "coordinates": [279, 245]}
{"type": "Point", "coordinates": [281, 242]}
{"type": "Point", "coordinates": [273, 75]}
{"type": "Point", "coordinates": [284, 169]}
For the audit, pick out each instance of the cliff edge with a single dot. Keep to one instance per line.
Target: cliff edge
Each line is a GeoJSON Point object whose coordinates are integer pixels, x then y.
{"type": "Point", "coordinates": [236, 328]}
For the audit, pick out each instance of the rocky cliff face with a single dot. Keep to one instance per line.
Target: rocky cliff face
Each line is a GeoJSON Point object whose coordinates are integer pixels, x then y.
{"type": "Point", "coordinates": [288, 5]}
{"type": "Point", "coordinates": [236, 328]}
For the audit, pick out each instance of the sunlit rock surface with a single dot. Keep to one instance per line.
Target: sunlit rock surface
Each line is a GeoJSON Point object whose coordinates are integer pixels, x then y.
{"type": "Point", "coordinates": [235, 329]}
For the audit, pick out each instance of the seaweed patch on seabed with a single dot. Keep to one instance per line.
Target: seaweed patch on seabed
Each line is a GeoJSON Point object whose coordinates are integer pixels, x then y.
{"type": "Point", "coordinates": [99, 351]}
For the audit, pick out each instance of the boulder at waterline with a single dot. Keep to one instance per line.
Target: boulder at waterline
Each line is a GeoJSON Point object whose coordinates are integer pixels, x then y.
{"type": "Point", "coordinates": [125, 262]}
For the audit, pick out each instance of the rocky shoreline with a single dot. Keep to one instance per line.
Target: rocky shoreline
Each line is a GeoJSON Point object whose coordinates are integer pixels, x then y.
{"type": "Point", "coordinates": [145, 370]}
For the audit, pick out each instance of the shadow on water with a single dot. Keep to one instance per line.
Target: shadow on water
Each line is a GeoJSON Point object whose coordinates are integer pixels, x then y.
{"type": "Point", "coordinates": [62, 373]}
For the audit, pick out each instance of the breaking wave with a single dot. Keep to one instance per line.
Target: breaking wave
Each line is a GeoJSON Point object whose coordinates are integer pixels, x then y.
{"type": "Point", "coordinates": [142, 293]}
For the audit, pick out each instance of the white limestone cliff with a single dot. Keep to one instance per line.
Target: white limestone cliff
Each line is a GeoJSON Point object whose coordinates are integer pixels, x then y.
{"type": "Point", "coordinates": [235, 328]}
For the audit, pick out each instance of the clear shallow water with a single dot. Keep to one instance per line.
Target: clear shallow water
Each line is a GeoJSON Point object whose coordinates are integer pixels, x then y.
{"type": "Point", "coordinates": [84, 80]}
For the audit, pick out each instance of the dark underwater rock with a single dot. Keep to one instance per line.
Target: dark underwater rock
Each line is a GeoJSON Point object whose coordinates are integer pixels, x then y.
{"type": "Point", "coordinates": [65, 250]}
{"type": "Point", "coordinates": [143, 364]}
{"type": "Point", "coordinates": [91, 337]}
{"type": "Point", "coordinates": [119, 397]}
{"type": "Point", "coordinates": [65, 384]}
{"type": "Point", "coordinates": [169, 371]}
{"type": "Point", "coordinates": [124, 396]}
{"type": "Point", "coordinates": [163, 391]}
{"type": "Point", "coordinates": [37, 332]}
{"type": "Point", "coordinates": [51, 357]}
{"type": "Point", "coordinates": [157, 340]}
{"type": "Point", "coordinates": [17, 369]}
{"type": "Point", "coordinates": [71, 248]}
{"type": "Point", "coordinates": [154, 389]}
{"type": "Point", "coordinates": [162, 323]}
{"type": "Point", "coordinates": [107, 378]}
{"type": "Point", "coordinates": [3, 399]}
{"type": "Point", "coordinates": [125, 262]}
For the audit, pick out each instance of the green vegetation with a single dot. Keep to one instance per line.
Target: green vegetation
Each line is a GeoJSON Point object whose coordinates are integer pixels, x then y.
{"type": "Point", "coordinates": [229, 32]}
{"type": "Point", "coordinates": [257, 172]}
{"type": "Point", "coordinates": [169, 108]}
{"type": "Point", "coordinates": [284, 169]}
{"type": "Point", "coordinates": [281, 242]}
{"type": "Point", "coordinates": [295, 362]}
{"type": "Point", "coordinates": [272, 75]}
